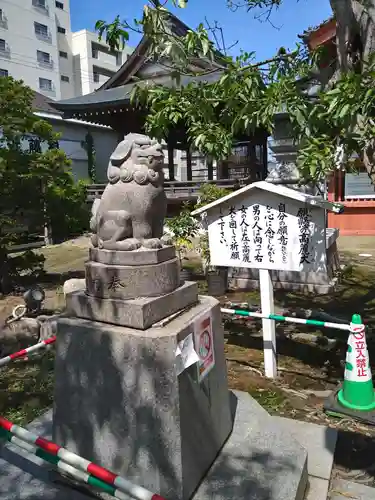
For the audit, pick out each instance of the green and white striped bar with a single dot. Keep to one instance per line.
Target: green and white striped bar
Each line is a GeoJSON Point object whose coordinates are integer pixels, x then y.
{"type": "Point", "coordinates": [287, 319]}
{"type": "Point", "coordinates": [63, 467]}
{"type": "Point", "coordinates": [95, 473]}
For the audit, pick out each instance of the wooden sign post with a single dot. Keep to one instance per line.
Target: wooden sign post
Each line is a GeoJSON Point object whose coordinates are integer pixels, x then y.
{"type": "Point", "coordinates": [271, 228]}
{"type": "Point", "coordinates": [268, 325]}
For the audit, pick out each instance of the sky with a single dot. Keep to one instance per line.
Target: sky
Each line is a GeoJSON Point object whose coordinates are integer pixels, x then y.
{"type": "Point", "coordinates": [291, 19]}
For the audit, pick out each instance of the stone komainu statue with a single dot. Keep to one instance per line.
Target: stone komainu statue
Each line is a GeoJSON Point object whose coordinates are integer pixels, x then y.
{"type": "Point", "coordinates": [131, 211]}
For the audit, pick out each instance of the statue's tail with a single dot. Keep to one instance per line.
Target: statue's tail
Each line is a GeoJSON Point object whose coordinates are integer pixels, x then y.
{"type": "Point", "coordinates": [94, 211]}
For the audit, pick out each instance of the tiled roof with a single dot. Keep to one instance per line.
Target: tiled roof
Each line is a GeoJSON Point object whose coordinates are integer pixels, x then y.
{"type": "Point", "coordinates": [312, 29]}
{"type": "Point", "coordinates": [42, 103]}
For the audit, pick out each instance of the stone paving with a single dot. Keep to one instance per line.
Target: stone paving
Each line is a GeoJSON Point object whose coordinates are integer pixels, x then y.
{"type": "Point", "coordinates": [28, 478]}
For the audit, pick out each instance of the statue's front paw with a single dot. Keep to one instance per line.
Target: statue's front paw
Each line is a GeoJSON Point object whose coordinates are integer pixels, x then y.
{"type": "Point", "coordinates": [100, 243]}
{"type": "Point", "coordinates": [166, 239]}
{"type": "Point", "coordinates": [130, 244]}
{"type": "Point", "coordinates": [126, 245]}
{"type": "Point", "coordinates": [152, 243]}
{"type": "Point", "coordinates": [94, 240]}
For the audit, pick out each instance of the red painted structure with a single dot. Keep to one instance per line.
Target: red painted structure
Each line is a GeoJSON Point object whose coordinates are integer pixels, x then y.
{"type": "Point", "coordinates": [358, 217]}
{"type": "Point", "coordinates": [359, 214]}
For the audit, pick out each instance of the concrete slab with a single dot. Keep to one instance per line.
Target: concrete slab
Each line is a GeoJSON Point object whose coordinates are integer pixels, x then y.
{"type": "Point", "coordinates": [347, 490]}
{"type": "Point", "coordinates": [317, 489]}
{"type": "Point", "coordinates": [258, 462]}
{"type": "Point", "coordinates": [318, 440]}
{"type": "Point", "coordinates": [26, 477]}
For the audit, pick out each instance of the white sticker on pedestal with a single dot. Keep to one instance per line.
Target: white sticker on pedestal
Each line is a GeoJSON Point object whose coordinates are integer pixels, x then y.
{"type": "Point", "coordinates": [185, 354]}
{"type": "Point", "coordinates": [204, 345]}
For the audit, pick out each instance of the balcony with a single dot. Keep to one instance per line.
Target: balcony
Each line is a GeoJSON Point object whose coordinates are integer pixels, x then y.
{"type": "Point", "coordinates": [45, 64]}
{"type": "Point", "coordinates": [44, 36]}
{"type": "Point", "coordinates": [41, 6]}
{"type": "Point", "coordinates": [48, 91]}
{"type": "Point", "coordinates": [5, 51]}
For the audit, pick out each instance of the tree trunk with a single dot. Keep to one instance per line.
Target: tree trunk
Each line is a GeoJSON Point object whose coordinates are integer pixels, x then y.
{"type": "Point", "coordinates": [5, 278]}
{"type": "Point", "coordinates": [355, 41]}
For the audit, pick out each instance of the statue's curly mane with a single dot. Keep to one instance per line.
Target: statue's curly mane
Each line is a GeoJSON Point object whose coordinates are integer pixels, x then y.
{"type": "Point", "coordinates": [140, 174]}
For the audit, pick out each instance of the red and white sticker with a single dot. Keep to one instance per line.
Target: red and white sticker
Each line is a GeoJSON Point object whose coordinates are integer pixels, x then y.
{"type": "Point", "coordinates": [357, 359]}
{"type": "Point", "coordinates": [204, 345]}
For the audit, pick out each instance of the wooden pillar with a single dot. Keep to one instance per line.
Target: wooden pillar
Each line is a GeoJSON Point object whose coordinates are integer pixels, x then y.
{"type": "Point", "coordinates": [189, 171]}
{"type": "Point", "coordinates": [225, 169]}
{"type": "Point", "coordinates": [222, 169]}
{"type": "Point", "coordinates": [210, 168]}
{"type": "Point", "coordinates": [252, 168]}
{"type": "Point", "coordinates": [341, 185]}
{"type": "Point", "coordinates": [265, 159]}
{"type": "Point", "coordinates": [171, 162]}
{"type": "Point", "coordinates": [331, 188]}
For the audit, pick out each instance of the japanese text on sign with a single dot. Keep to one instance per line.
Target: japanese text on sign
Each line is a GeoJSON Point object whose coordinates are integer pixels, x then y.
{"type": "Point", "coordinates": [270, 235]}
{"type": "Point", "coordinates": [282, 231]}
{"type": "Point", "coordinates": [360, 350]}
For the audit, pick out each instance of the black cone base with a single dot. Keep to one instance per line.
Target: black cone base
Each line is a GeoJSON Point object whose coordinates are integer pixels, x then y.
{"type": "Point", "coordinates": [334, 409]}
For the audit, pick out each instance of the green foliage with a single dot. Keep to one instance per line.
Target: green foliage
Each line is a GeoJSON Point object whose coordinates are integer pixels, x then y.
{"type": "Point", "coordinates": [184, 228]}
{"type": "Point", "coordinates": [115, 35]}
{"type": "Point", "coordinates": [245, 95]}
{"type": "Point", "coordinates": [26, 263]}
{"type": "Point", "coordinates": [208, 193]}
{"type": "Point", "coordinates": [37, 186]}
{"type": "Point", "coordinates": [68, 211]}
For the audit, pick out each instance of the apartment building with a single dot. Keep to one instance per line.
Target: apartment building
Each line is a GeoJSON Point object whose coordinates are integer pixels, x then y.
{"type": "Point", "coordinates": [38, 47]}
{"type": "Point", "coordinates": [93, 61]}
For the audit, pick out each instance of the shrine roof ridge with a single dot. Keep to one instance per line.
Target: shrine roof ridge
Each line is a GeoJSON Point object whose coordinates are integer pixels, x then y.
{"type": "Point", "coordinates": [276, 189]}
{"type": "Point", "coordinates": [121, 95]}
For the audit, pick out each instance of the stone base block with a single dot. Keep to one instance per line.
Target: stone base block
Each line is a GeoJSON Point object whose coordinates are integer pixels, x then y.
{"type": "Point", "coordinates": [142, 256]}
{"type": "Point", "coordinates": [134, 313]}
{"type": "Point", "coordinates": [119, 402]}
{"type": "Point", "coordinates": [252, 284]}
{"type": "Point", "coordinates": [128, 282]}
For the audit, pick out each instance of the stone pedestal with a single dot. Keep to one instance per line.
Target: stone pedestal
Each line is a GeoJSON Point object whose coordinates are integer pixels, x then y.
{"type": "Point", "coordinates": [127, 275]}
{"type": "Point", "coordinates": [140, 313]}
{"type": "Point", "coordinates": [120, 403]}
{"type": "Point", "coordinates": [136, 289]}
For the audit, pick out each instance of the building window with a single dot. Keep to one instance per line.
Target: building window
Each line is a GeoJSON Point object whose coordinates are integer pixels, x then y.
{"type": "Point", "coordinates": [41, 30]}
{"type": "Point", "coordinates": [65, 78]}
{"type": "Point", "coordinates": [2, 45]}
{"type": "Point", "coordinates": [40, 3]}
{"type": "Point", "coordinates": [61, 30]}
{"type": "Point", "coordinates": [96, 77]}
{"type": "Point", "coordinates": [63, 54]}
{"type": "Point", "coordinates": [43, 57]}
{"type": "Point", "coordinates": [3, 20]}
{"type": "Point", "coordinates": [95, 52]}
{"type": "Point", "coordinates": [59, 5]}
{"type": "Point", "coordinates": [45, 84]}
{"type": "Point", "coordinates": [4, 72]}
